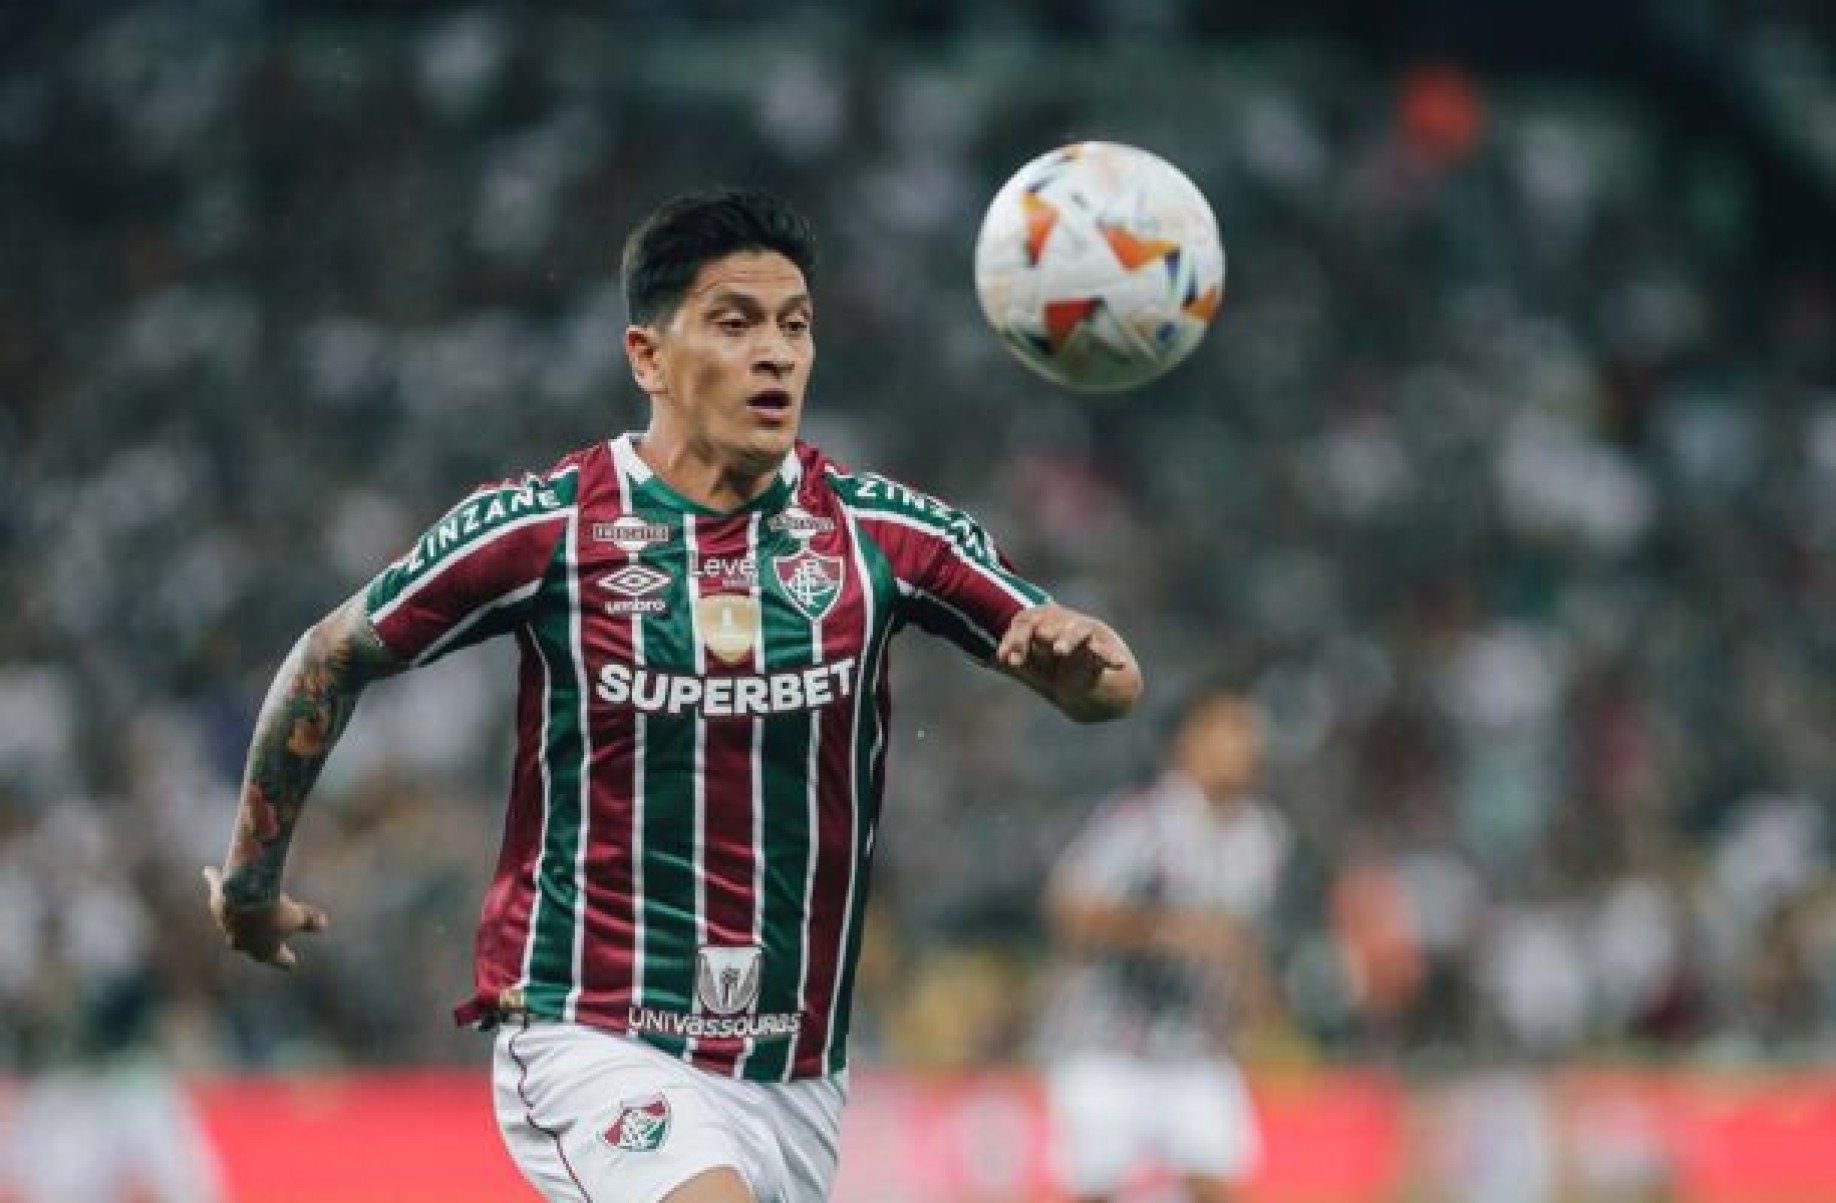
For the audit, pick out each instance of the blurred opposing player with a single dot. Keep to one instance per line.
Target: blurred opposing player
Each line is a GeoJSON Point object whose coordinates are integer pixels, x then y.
{"type": "Point", "coordinates": [1154, 908]}
{"type": "Point", "coordinates": [703, 612]}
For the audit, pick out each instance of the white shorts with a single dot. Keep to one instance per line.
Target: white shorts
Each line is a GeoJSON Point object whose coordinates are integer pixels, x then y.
{"type": "Point", "coordinates": [595, 1117]}
{"type": "Point", "coordinates": [1111, 1115]}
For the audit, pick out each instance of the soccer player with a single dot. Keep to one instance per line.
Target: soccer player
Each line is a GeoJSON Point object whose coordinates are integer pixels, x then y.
{"type": "Point", "coordinates": [703, 613]}
{"type": "Point", "coordinates": [1155, 907]}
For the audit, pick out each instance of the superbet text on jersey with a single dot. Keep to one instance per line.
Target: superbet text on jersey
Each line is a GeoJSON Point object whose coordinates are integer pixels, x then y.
{"type": "Point", "coordinates": [702, 717]}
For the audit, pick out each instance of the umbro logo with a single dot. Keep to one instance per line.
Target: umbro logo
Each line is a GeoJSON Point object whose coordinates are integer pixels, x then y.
{"type": "Point", "coordinates": [634, 583]}
{"type": "Point", "coordinates": [635, 580]}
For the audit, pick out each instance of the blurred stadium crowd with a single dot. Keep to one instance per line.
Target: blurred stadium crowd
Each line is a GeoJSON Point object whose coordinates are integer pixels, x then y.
{"type": "Point", "coordinates": [1507, 481]}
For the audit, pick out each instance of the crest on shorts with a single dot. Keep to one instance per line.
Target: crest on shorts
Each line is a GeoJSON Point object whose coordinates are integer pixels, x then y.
{"type": "Point", "coordinates": [811, 580]}
{"type": "Point", "coordinates": [727, 979]}
{"type": "Point", "coordinates": [641, 1125]}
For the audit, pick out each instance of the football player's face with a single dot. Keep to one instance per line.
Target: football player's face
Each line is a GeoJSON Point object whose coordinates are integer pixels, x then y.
{"type": "Point", "coordinates": [728, 368]}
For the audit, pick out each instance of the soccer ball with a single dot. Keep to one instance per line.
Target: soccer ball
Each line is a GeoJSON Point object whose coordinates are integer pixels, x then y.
{"type": "Point", "coordinates": [1100, 266]}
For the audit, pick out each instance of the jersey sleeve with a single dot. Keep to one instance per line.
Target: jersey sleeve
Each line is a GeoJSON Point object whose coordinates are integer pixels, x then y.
{"type": "Point", "coordinates": [473, 574]}
{"type": "Point", "coordinates": [953, 581]}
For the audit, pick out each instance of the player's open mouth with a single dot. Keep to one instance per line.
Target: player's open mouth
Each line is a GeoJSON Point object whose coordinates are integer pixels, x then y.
{"type": "Point", "coordinates": [773, 403]}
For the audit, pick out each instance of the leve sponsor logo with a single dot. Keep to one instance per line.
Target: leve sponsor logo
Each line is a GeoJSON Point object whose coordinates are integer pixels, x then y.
{"type": "Point", "coordinates": [728, 572]}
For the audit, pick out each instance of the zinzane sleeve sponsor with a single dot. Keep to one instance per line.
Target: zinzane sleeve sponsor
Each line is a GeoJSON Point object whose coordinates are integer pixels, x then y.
{"type": "Point", "coordinates": [953, 581]}
{"type": "Point", "coordinates": [474, 573]}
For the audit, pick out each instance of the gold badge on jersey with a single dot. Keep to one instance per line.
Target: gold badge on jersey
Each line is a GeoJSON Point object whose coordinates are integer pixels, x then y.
{"type": "Point", "coordinates": [728, 624]}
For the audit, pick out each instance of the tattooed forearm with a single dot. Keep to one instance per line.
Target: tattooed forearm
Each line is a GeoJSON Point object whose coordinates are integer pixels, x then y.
{"type": "Point", "coordinates": [305, 711]}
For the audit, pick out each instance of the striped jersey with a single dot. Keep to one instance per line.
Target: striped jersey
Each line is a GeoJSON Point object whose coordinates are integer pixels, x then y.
{"type": "Point", "coordinates": [702, 717]}
{"type": "Point", "coordinates": [1166, 846]}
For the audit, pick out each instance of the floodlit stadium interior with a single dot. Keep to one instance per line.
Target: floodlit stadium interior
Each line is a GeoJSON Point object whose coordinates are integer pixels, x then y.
{"type": "Point", "coordinates": [1505, 483]}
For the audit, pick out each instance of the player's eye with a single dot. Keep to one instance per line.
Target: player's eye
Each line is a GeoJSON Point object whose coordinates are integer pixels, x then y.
{"type": "Point", "coordinates": [733, 325]}
{"type": "Point", "coordinates": [796, 327]}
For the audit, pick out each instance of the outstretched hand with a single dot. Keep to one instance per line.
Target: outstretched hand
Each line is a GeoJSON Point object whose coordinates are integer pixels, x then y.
{"type": "Point", "coordinates": [262, 932]}
{"type": "Point", "coordinates": [1050, 636]}
{"type": "Point", "coordinates": [1077, 661]}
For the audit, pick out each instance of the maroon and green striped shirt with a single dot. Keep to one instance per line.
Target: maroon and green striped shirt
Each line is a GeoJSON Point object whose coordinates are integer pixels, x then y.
{"type": "Point", "coordinates": [701, 736]}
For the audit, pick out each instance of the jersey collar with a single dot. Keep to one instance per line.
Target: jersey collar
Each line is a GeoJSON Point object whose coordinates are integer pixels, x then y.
{"type": "Point", "coordinates": [632, 467]}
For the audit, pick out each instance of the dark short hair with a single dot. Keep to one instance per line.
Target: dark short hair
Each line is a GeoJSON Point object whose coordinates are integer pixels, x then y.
{"type": "Point", "coordinates": [667, 249]}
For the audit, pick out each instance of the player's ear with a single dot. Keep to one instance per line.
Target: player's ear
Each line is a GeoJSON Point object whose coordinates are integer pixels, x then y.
{"type": "Point", "coordinates": [644, 349]}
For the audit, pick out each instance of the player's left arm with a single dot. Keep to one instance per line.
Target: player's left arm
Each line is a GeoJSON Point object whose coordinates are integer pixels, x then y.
{"type": "Point", "coordinates": [1076, 662]}
{"type": "Point", "coordinates": [956, 583]}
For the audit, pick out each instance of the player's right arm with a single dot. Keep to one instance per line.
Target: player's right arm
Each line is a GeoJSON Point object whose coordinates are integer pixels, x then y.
{"type": "Point", "coordinates": [474, 574]}
{"type": "Point", "coordinates": [306, 709]}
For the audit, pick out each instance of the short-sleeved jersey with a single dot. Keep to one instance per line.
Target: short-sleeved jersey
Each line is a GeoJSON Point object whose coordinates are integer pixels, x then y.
{"type": "Point", "coordinates": [1166, 846]}
{"type": "Point", "coordinates": [701, 736]}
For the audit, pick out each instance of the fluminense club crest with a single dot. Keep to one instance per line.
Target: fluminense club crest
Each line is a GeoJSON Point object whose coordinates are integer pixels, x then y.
{"type": "Point", "coordinates": [641, 1125]}
{"type": "Point", "coordinates": [811, 580]}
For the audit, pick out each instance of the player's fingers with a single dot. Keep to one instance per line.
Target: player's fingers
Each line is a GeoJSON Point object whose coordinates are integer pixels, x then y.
{"type": "Point", "coordinates": [311, 918]}
{"type": "Point", "coordinates": [1044, 627]}
{"type": "Point", "coordinates": [1107, 647]}
{"type": "Point", "coordinates": [213, 899]}
{"type": "Point", "coordinates": [1004, 651]}
{"type": "Point", "coordinates": [283, 958]}
{"type": "Point", "coordinates": [1018, 637]}
{"type": "Point", "coordinates": [1071, 636]}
